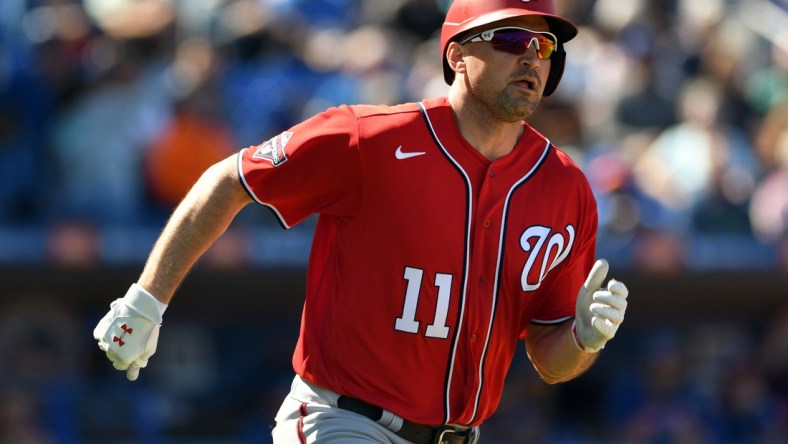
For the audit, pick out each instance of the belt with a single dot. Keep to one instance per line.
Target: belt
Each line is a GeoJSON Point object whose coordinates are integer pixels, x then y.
{"type": "Point", "coordinates": [415, 433]}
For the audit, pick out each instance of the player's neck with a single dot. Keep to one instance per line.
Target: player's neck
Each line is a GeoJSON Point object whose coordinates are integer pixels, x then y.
{"type": "Point", "coordinates": [491, 137]}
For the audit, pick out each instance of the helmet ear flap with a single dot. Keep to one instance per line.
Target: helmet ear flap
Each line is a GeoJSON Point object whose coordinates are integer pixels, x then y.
{"type": "Point", "coordinates": [557, 62]}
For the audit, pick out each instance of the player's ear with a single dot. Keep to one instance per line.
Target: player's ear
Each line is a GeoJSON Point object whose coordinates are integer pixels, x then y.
{"type": "Point", "coordinates": [455, 57]}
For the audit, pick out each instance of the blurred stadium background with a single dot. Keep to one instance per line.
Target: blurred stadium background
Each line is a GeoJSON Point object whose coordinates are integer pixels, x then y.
{"type": "Point", "coordinates": [109, 110]}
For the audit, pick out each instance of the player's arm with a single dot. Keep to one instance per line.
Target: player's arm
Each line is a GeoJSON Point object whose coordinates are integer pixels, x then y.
{"type": "Point", "coordinates": [129, 332]}
{"type": "Point", "coordinates": [553, 353]}
{"type": "Point", "coordinates": [202, 216]}
{"type": "Point", "coordinates": [562, 352]}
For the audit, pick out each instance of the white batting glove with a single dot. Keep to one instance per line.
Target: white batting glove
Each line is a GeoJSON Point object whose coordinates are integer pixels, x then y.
{"type": "Point", "coordinates": [598, 312]}
{"type": "Point", "coordinates": [129, 332]}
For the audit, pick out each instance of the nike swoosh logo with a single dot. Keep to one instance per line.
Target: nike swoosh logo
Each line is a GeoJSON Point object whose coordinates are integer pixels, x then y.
{"type": "Point", "coordinates": [400, 155]}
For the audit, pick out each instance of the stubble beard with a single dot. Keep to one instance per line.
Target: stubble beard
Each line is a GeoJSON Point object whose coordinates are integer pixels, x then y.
{"type": "Point", "coordinates": [503, 105]}
{"type": "Point", "coordinates": [511, 109]}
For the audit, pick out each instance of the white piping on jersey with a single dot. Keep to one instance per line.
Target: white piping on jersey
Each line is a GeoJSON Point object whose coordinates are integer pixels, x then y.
{"type": "Point", "coordinates": [467, 261]}
{"type": "Point", "coordinates": [552, 321]}
{"type": "Point", "coordinates": [254, 196]}
{"type": "Point", "coordinates": [498, 273]}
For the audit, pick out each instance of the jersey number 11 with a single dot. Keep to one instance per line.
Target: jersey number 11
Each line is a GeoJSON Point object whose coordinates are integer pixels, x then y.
{"type": "Point", "coordinates": [407, 322]}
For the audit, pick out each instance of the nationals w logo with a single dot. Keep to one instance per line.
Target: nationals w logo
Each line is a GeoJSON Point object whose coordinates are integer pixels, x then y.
{"type": "Point", "coordinates": [552, 248]}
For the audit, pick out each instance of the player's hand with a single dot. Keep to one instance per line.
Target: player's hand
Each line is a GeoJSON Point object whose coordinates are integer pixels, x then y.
{"type": "Point", "coordinates": [599, 312]}
{"type": "Point", "coordinates": [130, 331]}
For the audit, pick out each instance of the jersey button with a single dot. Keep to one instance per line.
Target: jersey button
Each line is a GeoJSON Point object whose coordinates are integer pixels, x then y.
{"type": "Point", "coordinates": [473, 337]}
{"type": "Point", "coordinates": [481, 282]}
{"type": "Point", "coordinates": [492, 172]}
{"type": "Point", "coordinates": [487, 223]}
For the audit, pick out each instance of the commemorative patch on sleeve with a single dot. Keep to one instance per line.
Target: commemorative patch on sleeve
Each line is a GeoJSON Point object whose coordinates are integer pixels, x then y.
{"type": "Point", "coordinates": [274, 150]}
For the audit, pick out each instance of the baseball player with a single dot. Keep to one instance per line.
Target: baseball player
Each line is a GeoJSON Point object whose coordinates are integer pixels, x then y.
{"type": "Point", "coordinates": [449, 230]}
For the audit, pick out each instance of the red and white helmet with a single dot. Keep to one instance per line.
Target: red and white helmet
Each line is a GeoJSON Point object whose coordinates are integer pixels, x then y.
{"type": "Point", "coordinates": [467, 14]}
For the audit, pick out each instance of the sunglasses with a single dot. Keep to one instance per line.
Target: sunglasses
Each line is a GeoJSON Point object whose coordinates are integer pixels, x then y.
{"type": "Point", "coordinates": [517, 40]}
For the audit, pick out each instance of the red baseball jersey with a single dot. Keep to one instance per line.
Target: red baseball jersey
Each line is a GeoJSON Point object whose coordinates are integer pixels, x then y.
{"type": "Point", "coordinates": [428, 261]}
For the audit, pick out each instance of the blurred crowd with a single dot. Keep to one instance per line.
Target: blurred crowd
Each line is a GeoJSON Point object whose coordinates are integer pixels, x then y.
{"type": "Point", "coordinates": [677, 110]}
{"type": "Point", "coordinates": [109, 110]}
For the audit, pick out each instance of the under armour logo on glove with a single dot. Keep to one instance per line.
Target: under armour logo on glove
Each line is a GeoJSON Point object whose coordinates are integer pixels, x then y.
{"type": "Point", "coordinates": [129, 332]}
{"type": "Point", "coordinates": [119, 340]}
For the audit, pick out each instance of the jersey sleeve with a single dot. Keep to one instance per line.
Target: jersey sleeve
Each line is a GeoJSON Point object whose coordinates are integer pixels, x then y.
{"type": "Point", "coordinates": [559, 304]}
{"type": "Point", "coordinates": [311, 168]}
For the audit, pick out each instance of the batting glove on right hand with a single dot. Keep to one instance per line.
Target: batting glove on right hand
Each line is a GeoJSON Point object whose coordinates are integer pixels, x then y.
{"type": "Point", "coordinates": [129, 332]}
{"type": "Point", "coordinates": [598, 312]}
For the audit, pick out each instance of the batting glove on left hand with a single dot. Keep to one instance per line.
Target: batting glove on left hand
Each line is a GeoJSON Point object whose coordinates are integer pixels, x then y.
{"type": "Point", "coordinates": [129, 332]}
{"type": "Point", "coordinates": [598, 312]}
